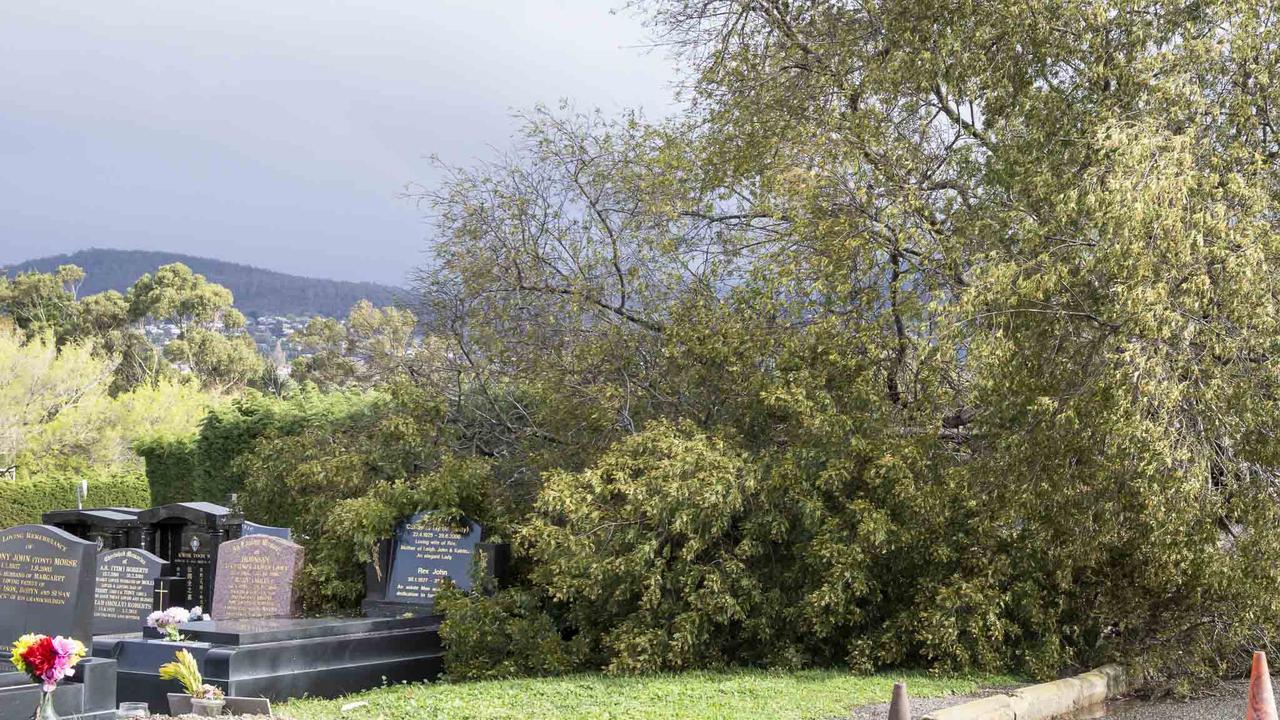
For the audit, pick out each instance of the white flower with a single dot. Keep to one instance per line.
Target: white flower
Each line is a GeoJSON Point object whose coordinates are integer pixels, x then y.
{"type": "Point", "coordinates": [153, 620]}
{"type": "Point", "coordinates": [173, 616]}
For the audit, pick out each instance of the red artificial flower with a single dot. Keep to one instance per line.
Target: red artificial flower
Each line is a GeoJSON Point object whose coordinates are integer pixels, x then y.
{"type": "Point", "coordinates": [40, 656]}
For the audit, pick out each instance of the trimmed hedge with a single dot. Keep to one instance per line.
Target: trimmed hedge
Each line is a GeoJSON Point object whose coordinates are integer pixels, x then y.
{"type": "Point", "coordinates": [24, 501]}
{"type": "Point", "coordinates": [171, 468]}
{"type": "Point", "coordinates": [204, 466]}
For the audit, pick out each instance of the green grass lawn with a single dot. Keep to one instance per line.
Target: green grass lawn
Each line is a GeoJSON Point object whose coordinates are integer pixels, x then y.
{"type": "Point", "coordinates": [757, 695]}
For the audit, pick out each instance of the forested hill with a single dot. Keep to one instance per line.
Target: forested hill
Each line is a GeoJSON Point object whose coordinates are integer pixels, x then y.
{"type": "Point", "coordinates": [257, 291]}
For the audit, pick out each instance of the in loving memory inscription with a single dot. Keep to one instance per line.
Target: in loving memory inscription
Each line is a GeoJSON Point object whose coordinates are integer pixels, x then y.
{"type": "Point", "coordinates": [46, 581]}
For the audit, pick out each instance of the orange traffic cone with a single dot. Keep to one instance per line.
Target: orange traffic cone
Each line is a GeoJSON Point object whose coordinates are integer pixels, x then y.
{"type": "Point", "coordinates": [900, 706]}
{"type": "Point", "coordinates": [1262, 703]}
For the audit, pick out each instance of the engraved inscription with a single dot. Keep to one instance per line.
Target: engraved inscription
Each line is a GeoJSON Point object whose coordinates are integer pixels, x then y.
{"type": "Point", "coordinates": [124, 591]}
{"type": "Point", "coordinates": [36, 572]}
{"type": "Point", "coordinates": [255, 578]}
{"type": "Point", "coordinates": [426, 553]}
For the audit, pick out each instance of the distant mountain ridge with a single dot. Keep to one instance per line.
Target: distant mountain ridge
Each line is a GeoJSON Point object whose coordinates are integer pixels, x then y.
{"type": "Point", "coordinates": [257, 291]}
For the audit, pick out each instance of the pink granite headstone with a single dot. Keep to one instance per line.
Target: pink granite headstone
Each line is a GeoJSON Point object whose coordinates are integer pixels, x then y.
{"type": "Point", "coordinates": [256, 578]}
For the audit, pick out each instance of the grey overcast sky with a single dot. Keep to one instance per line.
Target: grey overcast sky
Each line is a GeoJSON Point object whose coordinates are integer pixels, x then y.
{"type": "Point", "coordinates": [280, 132]}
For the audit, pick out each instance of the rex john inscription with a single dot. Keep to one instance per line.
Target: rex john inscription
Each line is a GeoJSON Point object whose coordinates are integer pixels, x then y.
{"type": "Point", "coordinates": [426, 552]}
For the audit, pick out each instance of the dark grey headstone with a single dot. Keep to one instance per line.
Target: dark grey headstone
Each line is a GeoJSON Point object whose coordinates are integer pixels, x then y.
{"type": "Point", "coordinates": [46, 583]}
{"type": "Point", "coordinates": [252, 528]}
{"type": "Point", "coordinates": [125, 589]}
{"type": "Point", "coordinates": [426, 551]}
{"type": "Point", "coordinates": [257, 578]}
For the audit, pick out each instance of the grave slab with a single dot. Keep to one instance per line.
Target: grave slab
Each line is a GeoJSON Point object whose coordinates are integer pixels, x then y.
{"type": "Point", "coordinates": [284, 658]}
{"type": "Point", "coordinates": [252, 528]}
{"type": "Point", "coordinates": [187, 535]}
{"type": "Point", "coordinates": [110, 528]}
{"type": "Point", "coordinates": [410, 568]}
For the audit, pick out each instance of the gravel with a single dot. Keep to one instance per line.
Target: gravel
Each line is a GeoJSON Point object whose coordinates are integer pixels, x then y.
{"type": "Point", "coordinates": [920, 706]}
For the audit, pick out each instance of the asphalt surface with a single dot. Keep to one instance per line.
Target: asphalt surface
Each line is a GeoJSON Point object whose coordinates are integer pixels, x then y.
{"type": "Point", "coordinates": [1226, 703]}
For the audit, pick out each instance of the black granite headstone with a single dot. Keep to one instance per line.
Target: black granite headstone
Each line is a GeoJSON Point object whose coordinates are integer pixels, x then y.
{"type": "Point", "coordinates": [187, 535]}
{"type": "Point", "coordinates": [425, 551]}
{"type": "Point", "coordinates": [125, 589]}
{"type": "Point", "coordinates": [46, 583]}
{"type": "Point", "coordinates": [167, 588]}
{"type": "Point", "coordinates": [110, 528]}
{"type": "Point", "coordinates": [252, 528]}
{"type": "Point", "coordinates": [46, 586]}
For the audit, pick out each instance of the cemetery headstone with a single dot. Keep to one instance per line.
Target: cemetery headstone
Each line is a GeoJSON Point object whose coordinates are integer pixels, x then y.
{"type": "Point", "coordinates": [188, 536]}
{"type": "Point", "coordinates": [125, 589]}
{"type": "Point", "coordinates": [110, 528]}
{"type": "Point", "coordinates": [46, 583]}
{"type": "Point", "coordinates": [425, 551]}
{"type": "Point", "coordinates": [252, 528]}
{"type": "Point", "coordinates": [256, 578]}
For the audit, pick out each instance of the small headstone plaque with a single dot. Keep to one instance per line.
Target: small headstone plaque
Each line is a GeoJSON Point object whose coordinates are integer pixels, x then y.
{"type": "Point", "coordinates": [256, 578]}
{"type": "Point", "coordinates": [252, 528]}
{"type": "Point", "coordinates": [125, 589]}
{"type": "Point", "coordinates": [46, 583]}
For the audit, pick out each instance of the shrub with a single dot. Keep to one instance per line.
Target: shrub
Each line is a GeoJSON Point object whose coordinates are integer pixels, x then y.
{"type": "Point", "coordinates": [343, 481]}
{"type": "Point", "coordinates": [202, 465]}
{"type": "Point", "coordinates": [507, 635]}
{"type": "Point", "coordinates": [25, 500]}
{"type": "Point", "coordinates": [171, 467]}
{"type": "Point", "coordinates": [660, 552]}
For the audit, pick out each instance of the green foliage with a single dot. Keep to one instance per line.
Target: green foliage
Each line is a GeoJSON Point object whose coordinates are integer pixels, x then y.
{"type": "Point", "coordinates": [230, 431]}
{"type": "Point", "coordinates": [507, 635]}
{"type": "Point", "coordinates": [56, 415]}
{"type": "Point", "coordinates": [651, 557]}
{"type": "Point", "coordinates": [343, 481]}
{"type": "Point", "coordinates": [171, 467]}
{"type": "Point", "coordinates": [968, 318]}
{"type": "Point", "coordinates": [374, 345]}
{"type": "Point", "coordinates": [26, 499]}
{"type": "Point", "coordinates": [210, 344]}
{"type": "Point", "coordinates": [41, 303]}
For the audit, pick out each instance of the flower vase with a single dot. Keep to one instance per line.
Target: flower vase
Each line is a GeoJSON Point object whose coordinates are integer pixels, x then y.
{"type": "Point", "coordinates": [206, 707]}
{"type": "Point", "coordinates": [45, 711]}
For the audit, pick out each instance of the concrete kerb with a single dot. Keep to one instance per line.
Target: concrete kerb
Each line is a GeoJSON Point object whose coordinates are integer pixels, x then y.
{"type": "Point", "coordinates": [1043, 701]}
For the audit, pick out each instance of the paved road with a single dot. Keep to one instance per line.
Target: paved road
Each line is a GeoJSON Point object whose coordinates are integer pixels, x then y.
{"type": "Point", "coordinates": [1227, 703]}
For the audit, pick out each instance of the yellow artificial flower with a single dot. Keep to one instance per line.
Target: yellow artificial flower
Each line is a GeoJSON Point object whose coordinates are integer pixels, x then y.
{"type": "Point", "coordinates": [20, 646]}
